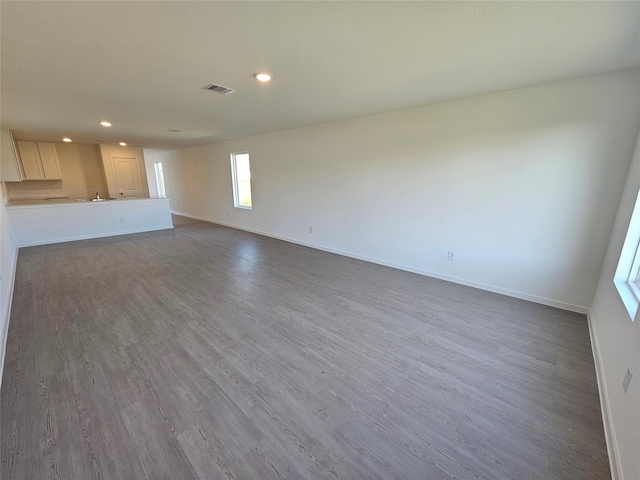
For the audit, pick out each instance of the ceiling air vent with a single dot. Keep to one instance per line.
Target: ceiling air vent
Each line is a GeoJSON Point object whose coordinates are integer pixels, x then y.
{"type": "Point", "coordinates": [218, 89]}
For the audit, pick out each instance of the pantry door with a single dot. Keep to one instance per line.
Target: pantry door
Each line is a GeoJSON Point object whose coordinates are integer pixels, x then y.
{"type": "Point", "coordinates": [128, 179]}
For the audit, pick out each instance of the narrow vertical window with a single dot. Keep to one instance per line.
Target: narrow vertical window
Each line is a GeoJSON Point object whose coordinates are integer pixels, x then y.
{"type": "Point", "coordinates": [241, 176]}
{"type": "Point", "coordinates": [160, 179]}
{"type": "Point", "coordinates": [627, 276]}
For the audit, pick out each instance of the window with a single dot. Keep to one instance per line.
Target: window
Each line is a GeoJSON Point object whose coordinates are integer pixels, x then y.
{"type": "Point", "coordinates": [627, 276]}
{"type": "Point", "coordinates": [634, 277]}
{"type": "Point", "coordinates": [160, 179]}
{"type": "Point", "coordinates": [241, 176]}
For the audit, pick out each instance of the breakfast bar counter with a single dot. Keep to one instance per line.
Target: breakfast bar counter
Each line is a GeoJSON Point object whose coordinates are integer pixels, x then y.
{"type": "Point", "coordinates": [40, 224]}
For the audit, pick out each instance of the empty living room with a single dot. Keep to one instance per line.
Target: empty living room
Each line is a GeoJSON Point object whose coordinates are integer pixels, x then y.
{"type": "Point", "coordinates": [320, 240]}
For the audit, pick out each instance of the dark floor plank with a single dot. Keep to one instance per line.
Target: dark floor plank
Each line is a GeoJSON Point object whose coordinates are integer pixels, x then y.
{"type": "Point", "coordinates": [160, 454]}
{"type": "Point", "coordinates": [206, 352]}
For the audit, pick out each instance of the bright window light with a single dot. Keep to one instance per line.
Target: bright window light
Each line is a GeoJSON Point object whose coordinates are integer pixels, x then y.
{"type": "Point", "coordinates": [241, 177]}
{"type": "Point", "coordinates": [627, 276]}
{"type": "Point", "coordinates": [160, 179]}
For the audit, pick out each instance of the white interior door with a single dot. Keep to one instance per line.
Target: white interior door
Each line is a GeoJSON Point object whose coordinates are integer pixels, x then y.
{"type": "Point", "coordinates": [128, 179]}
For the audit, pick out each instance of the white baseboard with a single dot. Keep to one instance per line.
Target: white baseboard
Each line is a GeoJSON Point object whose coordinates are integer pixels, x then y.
{"type": "Point", "coordinates": [91, 236]}
{"type": "Point", "coordinates": [609, 432]}
{"type": "Point", "coordinates": [482, 286]}
{"type": "Point", "coordinates": [6, 315]}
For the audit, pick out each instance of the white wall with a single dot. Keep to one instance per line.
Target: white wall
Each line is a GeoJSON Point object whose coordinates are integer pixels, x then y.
{"type": "Point", "coordinates": [149, 159]}
{"type": "Point", "coordinates": [65, 222]}
{"type": "Point", "coordinates": [8, 258]}
{"type": "Point", "coordinates": [617, 342]}
{"type": "Point", "coordinates": [522, 185]}
{"type": "Point", "coordinates": [82, 172]}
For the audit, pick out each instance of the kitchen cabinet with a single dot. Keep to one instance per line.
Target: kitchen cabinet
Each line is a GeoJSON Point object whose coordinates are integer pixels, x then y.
{"type": "Point", "coordinates": [50, 163]}
{"type": "Point", "coordinates": [39, 160]}
{"type": "Point", "coordinates": [10, 165]}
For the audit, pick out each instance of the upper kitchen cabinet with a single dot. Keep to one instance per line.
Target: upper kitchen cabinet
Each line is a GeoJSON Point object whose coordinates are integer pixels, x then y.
{"type": "Point", "coordinates": [39, 161]}
{"type": "Point", "coordinates": [10, 165]}
{"type": "Point", "coordinates": [50, 163]}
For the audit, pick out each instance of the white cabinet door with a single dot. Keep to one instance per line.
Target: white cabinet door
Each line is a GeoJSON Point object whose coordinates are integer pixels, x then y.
{"type": "Point", "coordinates": [31, 162]}
{"type": "Point", "coordinates": [10, 166]}
{"type": "Point", "coordinates": [128, 180]}
{"type": "Point", "coordinates": [50, 164]}
{"type": "Point", "coordinates": [39, 160]}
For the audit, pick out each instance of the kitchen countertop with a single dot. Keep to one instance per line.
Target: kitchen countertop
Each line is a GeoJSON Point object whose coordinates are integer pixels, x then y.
{"type": "Point", "coordinates": [71, 203]}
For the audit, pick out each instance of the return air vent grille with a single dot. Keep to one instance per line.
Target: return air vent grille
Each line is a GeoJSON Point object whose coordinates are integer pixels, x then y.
{"type": "Point", "coordinates": [218, 89]}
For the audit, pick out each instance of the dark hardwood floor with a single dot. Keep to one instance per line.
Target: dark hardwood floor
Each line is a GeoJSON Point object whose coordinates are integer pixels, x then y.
{"type": "Point", "coordinates": [207, 352]}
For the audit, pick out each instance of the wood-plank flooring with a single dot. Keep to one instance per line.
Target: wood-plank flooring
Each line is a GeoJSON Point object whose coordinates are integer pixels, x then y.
{"type": "Point", "coordinates": [211, 353]}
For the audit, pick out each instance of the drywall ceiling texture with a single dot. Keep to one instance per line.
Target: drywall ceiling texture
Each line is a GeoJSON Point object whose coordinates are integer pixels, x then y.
{"type": "Point", "coordinates": [522, 185]}
{"type": "Point", "coordinates": [67, 65]}
{"type": "Point", "coordinates": [617, 342]}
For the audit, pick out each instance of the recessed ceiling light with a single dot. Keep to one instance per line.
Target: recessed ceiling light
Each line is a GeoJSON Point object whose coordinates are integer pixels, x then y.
{"type": "Point", "coordinates": [105, 124]}
{"type": "Point", "coordinates": [123, 144]}
{"type": "Point", "coordinates": [263, 76]}
{"type": "Point", "coordinates": [67, 139]}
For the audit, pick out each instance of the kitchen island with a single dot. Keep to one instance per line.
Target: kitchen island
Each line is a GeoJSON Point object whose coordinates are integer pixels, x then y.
{"type": "Point", "coordinates": [45, 223]}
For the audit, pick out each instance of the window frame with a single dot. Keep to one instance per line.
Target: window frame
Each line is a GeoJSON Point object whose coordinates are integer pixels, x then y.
{"type": "Point", "coordinates": [234, 181]}
{"type": "Point", "coordinates": [627, 275]}
{"type": "Point", "coordinates": [159, 183]}
{"type": "Point", "coordinates": [634, 275]}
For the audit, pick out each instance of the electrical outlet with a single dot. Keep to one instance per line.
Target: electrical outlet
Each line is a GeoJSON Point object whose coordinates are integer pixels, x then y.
{"type": "Point", "coordinates": [310, 229]}
{"type": "Point", "coordinates": [451, 256]}
{"type": "Point", "coordinates": [627, 380]}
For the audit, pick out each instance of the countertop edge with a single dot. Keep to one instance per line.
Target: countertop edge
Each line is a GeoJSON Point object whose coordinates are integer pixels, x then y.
{"type": "Point", "coordinates": [81, 204]}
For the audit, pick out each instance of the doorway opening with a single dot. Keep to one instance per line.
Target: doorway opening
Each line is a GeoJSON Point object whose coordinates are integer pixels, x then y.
{"type": "Point", "coordinates": [160, 179]}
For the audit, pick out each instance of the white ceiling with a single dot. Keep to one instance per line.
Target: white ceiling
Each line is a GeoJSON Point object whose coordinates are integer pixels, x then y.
{"type": "Point", "coordinates": [67, 65]}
